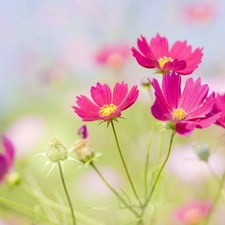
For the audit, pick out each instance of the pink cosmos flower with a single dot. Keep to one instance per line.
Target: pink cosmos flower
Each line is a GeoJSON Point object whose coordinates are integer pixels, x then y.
{"type": "Point", "coordinates": [187, 110]}
{"type": "Point", "coordinates": [219, 107]}
{"type": "Point", "coordinates": [6, 158]}
{"type": "Point", "coordinates": [107, 105]}
{"type": "Point", "coordinates": [193, 213]}
{"type": "Point", "coordinates": [156, 54]}
{"type": "Point", "coordinates": [113, 56]}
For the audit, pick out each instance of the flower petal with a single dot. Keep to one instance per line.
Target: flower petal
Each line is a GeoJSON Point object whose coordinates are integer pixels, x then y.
{"type": "Point", "coordinates": [160, 106]}
{"type": "Point", "coordinates": [193, 95]}
{"type": "Point", "coordinates": [3, 167]}
{"type": "Point", "coordinates": [208, 121]}
{"type": "Point", "coordinates": [185, 128]}
{"type": "Point", "coordinates": [205, 108]}
{"type": "Point", "coordinates": [176, 65]}
{"type": "Point", "coordinates": [145, 48]}
{"type": "Point", "coordinates": [101, 94]}
{"type": "Point", "coordinates": [142, 60]}
{"type": "Point", "coordinates": [9, 150]}
{"type": "Point", "coordinates": [159, 46]}
{"type": "Point", "coordinates": [171, 89]}
{"type": "Point", "coordinates": [180, 50]}
{"type": "Point", "coordinates": [130, 99]}
{"type": "Point", "coordinates": [119, 93]}
{"type": "Point", "coordinates": [193, 61]}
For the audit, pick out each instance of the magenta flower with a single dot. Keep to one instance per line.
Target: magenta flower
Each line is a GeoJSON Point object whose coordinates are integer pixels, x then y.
{"type": "Point", "coordinates": [187, 110]}
{"type": "Point", "coordinates": [113, 56]}
{"type": "Point", "coordinates": [107, 105]}
{"type": "Point", "coordinates": [6, 158]}
{"type": "Point", "coordinates": [219, 107]}
{"type": "Point", "coordinates": [179, 58]}
{"type": "Point", "coordinates": [193, 213]}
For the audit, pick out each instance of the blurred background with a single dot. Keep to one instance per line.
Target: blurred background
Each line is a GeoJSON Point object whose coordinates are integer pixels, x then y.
{"type": "Point", "coordinates": [52, 51]}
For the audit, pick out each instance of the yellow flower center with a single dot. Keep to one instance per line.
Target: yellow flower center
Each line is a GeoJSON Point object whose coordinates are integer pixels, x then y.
{"type": "Point", "coordinates": [107, 110]}
{"type": "Point", "coordinates": [178, 114]}
{"type": "Point", "coordinates": [162, 61]}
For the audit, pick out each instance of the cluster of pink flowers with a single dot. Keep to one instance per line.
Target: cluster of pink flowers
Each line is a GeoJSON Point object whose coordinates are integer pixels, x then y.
{"type": "Point", "coordinates": [184, 110]}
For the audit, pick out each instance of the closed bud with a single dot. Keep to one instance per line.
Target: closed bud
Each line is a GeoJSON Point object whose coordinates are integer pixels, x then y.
{"type": "Point", "coordinates": [83, 151]}
{"type": "Point", "coordinates": [56, 151]}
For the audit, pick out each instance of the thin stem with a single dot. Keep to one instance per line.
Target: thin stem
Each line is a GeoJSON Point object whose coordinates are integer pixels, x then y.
{"type": "Point", "coordinates": [147, 161]}
{"type": "Point", "coordinates": [50, 203]}
{"type": "Point", "coordinates": [216, 199]}
{"type": "Point", "coordinates": [159, 173]}
{"type": "Point", "coordinates": [67, 195]}
{"type": "Point", "coordinates": [124, 164]}
{"type": "Point", "coordinates": [26, 211]}
{"type": "Point", "coordinates": [112, 189]}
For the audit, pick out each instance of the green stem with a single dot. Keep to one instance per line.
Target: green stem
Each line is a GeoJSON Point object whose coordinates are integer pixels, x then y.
{"type": "Point", "coordinates": [124, 164]}
{"type": "Point", "coordinates": [50, 203]}
{"type": "Point", "coordinates": [26, 211]}
{"type": "Point", "coordinates": [67, 195]}
{"type": "Point", "coordinates": [159, 173]}
{"type": "Point", "coordinates": [113, 190]}
{"type": "Point", "coordinates": [147, 161]}
{"type": "Point", "coordinates": [216, 199]}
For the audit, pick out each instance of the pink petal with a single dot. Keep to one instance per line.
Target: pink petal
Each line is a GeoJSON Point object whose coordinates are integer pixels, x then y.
{"type": "Point", "coordinates": [208, 121]}
{"type": "Point", "coordinates": [180, 50]}
{"type": "Point", "coordinates": [185, 128]}
{"type": "Point", "coordinates": [4, 167]}
{"type": "Point", "coordinates": [193, 61]}
{"type": "Point", "coordinates": [145, 48]}
{"type": "Point", "coordinates": [130, 99]}
{"type": "Point", "coordinates": [160, 112]}
{"type": "Point", "coordinates": [193, 95]}
{"type": "Point", "coordinates": [142, 60]}
{"type": "Point", "coordinates": [204, 109]}
{"type": "Point", "coordinates": [171, 89]}
{"type": "Point", "coordinates": [176, 65]}
{"type": "Point", "coordinates": [9, 150]}
{"type": "Point", "coordinates": [159, 47]}
{"type": "Point", "coordinates": [101, 94]}
{"type": "Point", "coordinates": [160, 106]}
{"type": "Point", "coordinates": [119, 93]}
{"type": "Point", "coordinates": [86, 115]}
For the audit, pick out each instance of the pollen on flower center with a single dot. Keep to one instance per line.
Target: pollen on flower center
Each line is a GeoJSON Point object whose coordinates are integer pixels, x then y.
{"type": "Point", "coordinates": [178, 114]}
{"type": "Point", "coordinates": [107, 110]}
{"type": "Point", "coordinates": [162, 61]}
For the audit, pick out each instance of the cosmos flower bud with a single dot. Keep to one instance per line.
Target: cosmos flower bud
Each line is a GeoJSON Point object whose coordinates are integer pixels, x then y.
{"type": "Point", "coordinates": [56, 151]}
{"type": "Point", "coordinates": [83, 151]}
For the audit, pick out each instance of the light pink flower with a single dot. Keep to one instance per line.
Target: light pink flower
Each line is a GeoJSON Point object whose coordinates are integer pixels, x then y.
{"type": "Point", "coordinates": [6, 158]}
{"type": "Point", "coordinates": [200, 13]}
{"type": "Point", "coordinates": [219, 107]}
{"type": "Point", "coordinates": [187, 110]}
{"type": "Point", "coordinates": [156, 54]}
{"type": "Point", "coordinates": [107, 105]}
{"type": "Point", "coordinates": [113, 56]}
{"type": "Point", "coordinates": [192, 213]}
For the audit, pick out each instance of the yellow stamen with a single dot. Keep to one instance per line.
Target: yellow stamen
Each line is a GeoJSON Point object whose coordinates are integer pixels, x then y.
{"type": "Point", "coordinates": [162, 61]}
{"type": "Point", "coordinates": [178, 114]}
{"type": "Point", "coordinates": [107, 110]}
